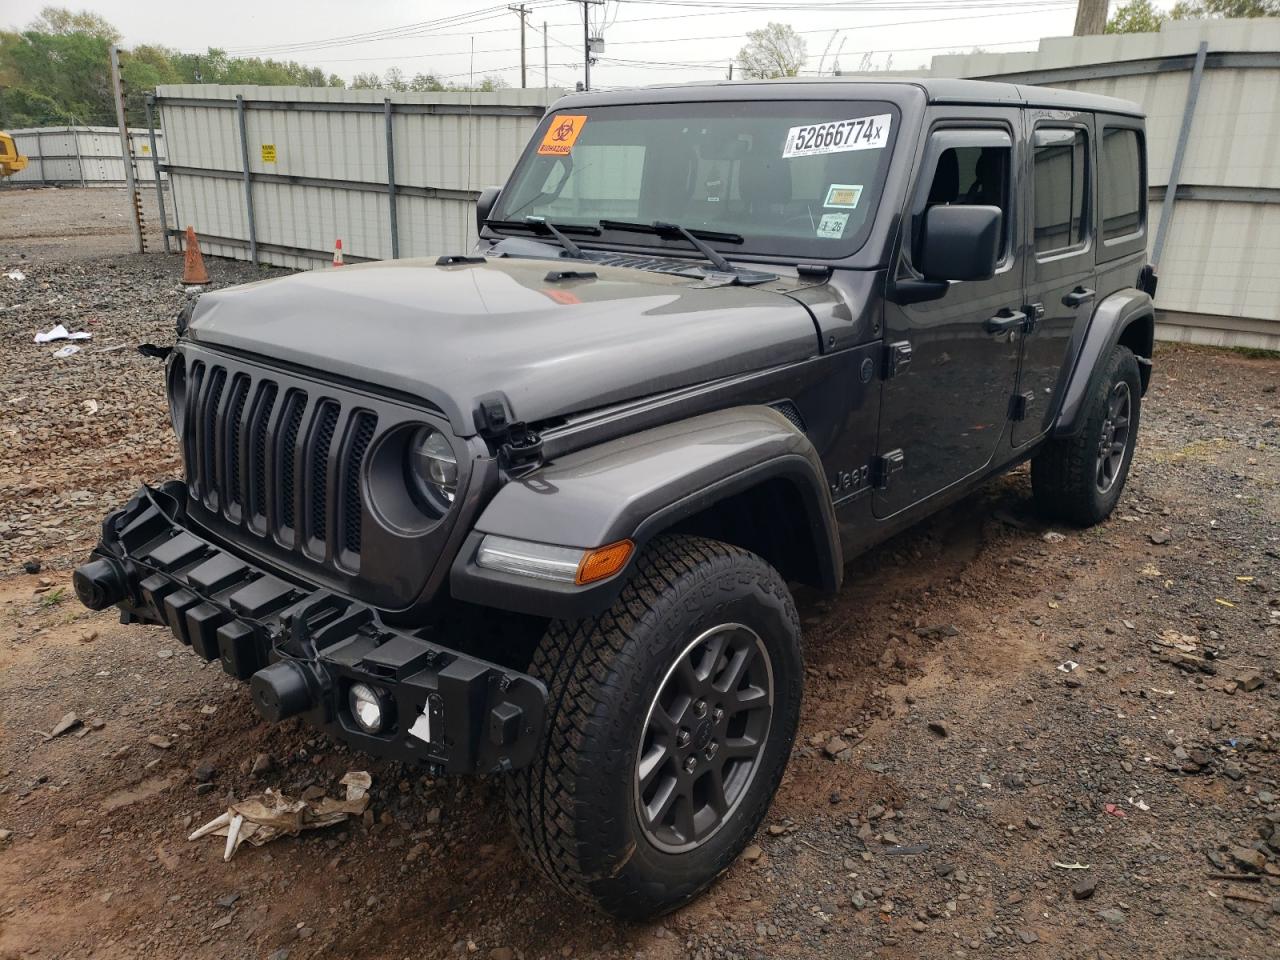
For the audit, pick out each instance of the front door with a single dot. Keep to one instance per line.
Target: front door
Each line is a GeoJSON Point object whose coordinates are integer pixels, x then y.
{"type": "Point", "coordinates": [947, 411]}
{"type": "Point", "coordinates": [1060, 276]}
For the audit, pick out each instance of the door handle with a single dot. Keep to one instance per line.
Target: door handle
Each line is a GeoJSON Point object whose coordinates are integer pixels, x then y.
{"type": "Point", "coordinates": [1006, 320]}
{"type": "Point", "coordinates": [1077, 296]}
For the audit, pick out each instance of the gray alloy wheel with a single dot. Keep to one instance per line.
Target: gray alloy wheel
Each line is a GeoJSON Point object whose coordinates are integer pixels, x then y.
{"type": "Point", "coordinates": [1114, 440]}
{"type": "Point", "coordinates": [703, 737]}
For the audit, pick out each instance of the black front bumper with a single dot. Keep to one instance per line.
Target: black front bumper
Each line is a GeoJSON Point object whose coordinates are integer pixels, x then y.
{"type": "Point", "coordinates": [302, 648]}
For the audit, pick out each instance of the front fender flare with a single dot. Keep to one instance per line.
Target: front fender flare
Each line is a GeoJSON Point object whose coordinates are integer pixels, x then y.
{"type": "Point", "coordinates": [1110, 319]}
{"type": "Point", "coordinates": [634, 488]}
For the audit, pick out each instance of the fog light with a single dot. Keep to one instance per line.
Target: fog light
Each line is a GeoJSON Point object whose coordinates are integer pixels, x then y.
{"type": "Point", "coordinates": [370, 707]}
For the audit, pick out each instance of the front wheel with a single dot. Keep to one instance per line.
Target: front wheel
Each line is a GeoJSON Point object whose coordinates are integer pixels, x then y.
{"type": "Point", "coordinates": [1080, 479]}
{"type": "Point", "coordinates": [670, 720]}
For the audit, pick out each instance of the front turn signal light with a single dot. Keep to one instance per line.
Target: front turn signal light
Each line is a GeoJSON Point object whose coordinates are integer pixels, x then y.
{"type": "Point", "coordinates": [604, 562]}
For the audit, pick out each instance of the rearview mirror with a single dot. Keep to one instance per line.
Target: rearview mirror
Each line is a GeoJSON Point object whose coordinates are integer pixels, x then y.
{"type": "Point", "coordinates": [960, 242]}
{"type": "Point", "coordinates": [484, 205]}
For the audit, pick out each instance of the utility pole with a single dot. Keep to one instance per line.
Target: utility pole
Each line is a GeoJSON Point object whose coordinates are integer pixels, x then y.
{"type": "Point", "coordinates": [586, 41]}
{"type": "Point", "coordinates": [1091, 18]}
{"type": "Point", "coordinates": [126, 153]}
{"type": "Point", "coordinates": [522, 12]}
{"type": "Point", "coordinates": [545, 84]}
{"type": "Point", "coordinates": [730, 69]}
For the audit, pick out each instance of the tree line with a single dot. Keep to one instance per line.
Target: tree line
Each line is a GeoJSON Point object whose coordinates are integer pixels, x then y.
{"type": "Point", "coordinates": [56, 71]}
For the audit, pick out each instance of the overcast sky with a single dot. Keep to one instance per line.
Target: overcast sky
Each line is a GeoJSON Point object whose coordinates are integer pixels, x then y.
{"type": "Point", "coordinates": [646, 41]}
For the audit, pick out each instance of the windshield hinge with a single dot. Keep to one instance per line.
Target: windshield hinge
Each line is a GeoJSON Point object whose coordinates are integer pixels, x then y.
{"type": "Point", "coordinates": [519, 448]}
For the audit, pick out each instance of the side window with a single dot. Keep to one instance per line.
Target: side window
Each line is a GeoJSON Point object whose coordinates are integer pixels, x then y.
{"type": "Point", "coordinates": [975, 176]}
{"type": "Point", "coordinates": [1120, 183]}
{"type": "Point", "coordinates": [1060, 189]}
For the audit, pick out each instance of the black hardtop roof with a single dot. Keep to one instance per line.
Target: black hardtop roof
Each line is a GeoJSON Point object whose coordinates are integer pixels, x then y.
{"type": "Point", "coordinates": [935, 90]}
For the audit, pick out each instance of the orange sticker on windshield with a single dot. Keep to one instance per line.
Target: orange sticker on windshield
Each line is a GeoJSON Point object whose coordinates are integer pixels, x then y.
{"type": "Point", "coordinates": [561, 135]}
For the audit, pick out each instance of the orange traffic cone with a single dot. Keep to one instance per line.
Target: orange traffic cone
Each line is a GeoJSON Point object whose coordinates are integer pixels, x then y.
{"type": "Point", "coordinates": [337, 253]}
{"type": "Point", "coordinates": [193, 271]}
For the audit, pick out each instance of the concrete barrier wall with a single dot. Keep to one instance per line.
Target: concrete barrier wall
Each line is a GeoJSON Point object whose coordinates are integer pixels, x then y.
{"type": "Point", "coordinates": [318, 167]}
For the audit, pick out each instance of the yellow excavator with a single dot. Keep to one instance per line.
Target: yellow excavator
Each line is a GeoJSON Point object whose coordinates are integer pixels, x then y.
{"type": "Point", "coordinates": [11, 161]}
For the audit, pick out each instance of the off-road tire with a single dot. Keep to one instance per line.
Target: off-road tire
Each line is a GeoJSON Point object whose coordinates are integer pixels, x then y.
{"type": "Point", "coordinates": [1064, 472]}
{"type": "Point", "coordinates": [574, 808]}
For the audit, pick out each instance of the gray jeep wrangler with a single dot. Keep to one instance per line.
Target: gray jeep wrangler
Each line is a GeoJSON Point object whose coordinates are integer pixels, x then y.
{"type": "Point", "coordinates": [533, 511]}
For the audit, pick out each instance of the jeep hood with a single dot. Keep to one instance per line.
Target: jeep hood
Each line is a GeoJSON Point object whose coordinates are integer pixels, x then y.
{"type": "Point", "coordinates": [453, 334]}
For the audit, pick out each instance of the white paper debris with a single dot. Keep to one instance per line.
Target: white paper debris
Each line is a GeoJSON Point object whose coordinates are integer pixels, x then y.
{"type": "Point", "coordinates": [270, 814]}
{"type": "Point", "coordinates": [61, 333]}
{"type": "Point", "coordinates": [422, 728]}
{"type": "Point", "coordinates": [16, 275]}
{"type": "Point", "coordinates": [69, 350]}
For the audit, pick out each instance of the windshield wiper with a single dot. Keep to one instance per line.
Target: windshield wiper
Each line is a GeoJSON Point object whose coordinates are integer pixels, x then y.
{"type": "Point", "coordinates": [673, 231]}
{"type": "Point", "coordinates": [544, 226]}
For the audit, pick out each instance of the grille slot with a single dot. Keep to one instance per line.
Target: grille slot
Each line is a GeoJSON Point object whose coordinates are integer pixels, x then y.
{"type": "Point", "coordinates": [239, 395]}
{"type": "Point", "coordinates": [286, 455]}
{"type": "Point", "coordinates": [209, 436]}
{"type": "Point", "coordinates": [326, 422]}
{"type": "Point", "coordinates": [191, 442]}
{"type": "Point", "coordinates": [363, 425]}
{"type": "Point", "coordinates": [259, 421]}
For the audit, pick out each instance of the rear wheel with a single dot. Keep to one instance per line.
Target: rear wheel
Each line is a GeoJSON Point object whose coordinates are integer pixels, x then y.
{"type": "Point", "coordinates": [670, 720]}
{"type": "Point", "coordinates": [1079, 479]}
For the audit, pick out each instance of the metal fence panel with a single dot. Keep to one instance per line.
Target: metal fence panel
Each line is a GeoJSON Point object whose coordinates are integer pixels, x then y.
{"type": "Point", "coordinates": [80, 156]}
{"type": "Point", "coordinates": [318, 170]}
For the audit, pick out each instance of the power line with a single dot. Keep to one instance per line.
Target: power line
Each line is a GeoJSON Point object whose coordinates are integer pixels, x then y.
{"type": "Point", "coordinates": [706, 8]}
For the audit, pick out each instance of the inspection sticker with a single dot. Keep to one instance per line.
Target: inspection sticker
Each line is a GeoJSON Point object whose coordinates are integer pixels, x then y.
{"type": "Point", "coordinates": [838, 136]}
{"type": "Point", "coordinates": [844, 195]}
{"type": "Point", "coordinates": [561, 135]}
{"type": "Point", "coordinates": [831, 226]}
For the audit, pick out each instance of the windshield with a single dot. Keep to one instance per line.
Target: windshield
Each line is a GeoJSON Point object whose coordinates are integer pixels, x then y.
{"type": "Point", "coordinates": [789, 178]}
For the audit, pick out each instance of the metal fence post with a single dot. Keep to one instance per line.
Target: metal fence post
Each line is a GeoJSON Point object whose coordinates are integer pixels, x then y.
{"type": "Point", "coordinates": [1175, 169]}
{"type": "Point", "coordinates": [248, 183]}
{"type": "Point", "coordinates": [126, 152]}
{"type": "Point", "coordinates": [75, 136]}
{"type": "Point", "coordinates": [155, 168]}
{"type": "Point", "coordinates": [391, 181]}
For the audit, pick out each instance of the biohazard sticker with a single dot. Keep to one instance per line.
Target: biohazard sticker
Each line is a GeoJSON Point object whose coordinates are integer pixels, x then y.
{"type": "Point", "coordinates": [838, 136]}
{"type": "Point", "coordinates": [561, 136]}
{"type": "Point", "coordinates": [831, 226]}
{"type": "Point", "coordinates": [844, 195]}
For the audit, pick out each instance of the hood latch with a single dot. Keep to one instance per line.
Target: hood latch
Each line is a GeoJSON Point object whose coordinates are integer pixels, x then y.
{"type": "Point", "coordinates": [519, 448]}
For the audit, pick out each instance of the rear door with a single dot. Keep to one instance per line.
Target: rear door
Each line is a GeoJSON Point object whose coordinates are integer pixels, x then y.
{"type": "Point", "coordinates": [943, 414]}
{"type": "Point", "coordinates": [1060, 278]}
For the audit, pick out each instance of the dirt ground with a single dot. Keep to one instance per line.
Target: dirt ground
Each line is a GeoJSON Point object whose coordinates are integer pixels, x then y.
{"type": "Point", "coordinates": [1016, 740]}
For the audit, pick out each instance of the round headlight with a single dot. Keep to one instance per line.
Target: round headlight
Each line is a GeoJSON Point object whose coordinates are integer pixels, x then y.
{"type": "Point", "coordinates": [370, 707]}
{"type": "Point", "coordinates": [434, 467]}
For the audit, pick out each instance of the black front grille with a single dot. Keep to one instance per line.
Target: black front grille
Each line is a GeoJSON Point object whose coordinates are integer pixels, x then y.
{"type": "Point", "coordinates": [262, 455]}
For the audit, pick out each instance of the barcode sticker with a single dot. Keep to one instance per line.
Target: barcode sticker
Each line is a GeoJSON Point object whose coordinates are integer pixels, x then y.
{"type": "Point", "coordinates": [838, 136]}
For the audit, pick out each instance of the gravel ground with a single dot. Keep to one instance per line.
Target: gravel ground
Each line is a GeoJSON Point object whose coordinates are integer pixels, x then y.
{"type": "Point", "coordinates": [958, 788]}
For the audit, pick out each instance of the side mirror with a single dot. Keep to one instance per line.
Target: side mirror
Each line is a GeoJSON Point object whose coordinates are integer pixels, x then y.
{"type": "Point", "coordinates": [960, 242]}
{"type": "Point", "coordinates": [484, 205]}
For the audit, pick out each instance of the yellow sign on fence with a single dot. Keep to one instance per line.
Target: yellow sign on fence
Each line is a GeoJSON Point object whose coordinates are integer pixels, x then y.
{"type": "Point", "coordinates": [268, 153]}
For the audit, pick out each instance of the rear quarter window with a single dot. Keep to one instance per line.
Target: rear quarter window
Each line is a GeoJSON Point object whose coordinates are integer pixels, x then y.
{"type": "Point", "coordinates": [1121, 162]}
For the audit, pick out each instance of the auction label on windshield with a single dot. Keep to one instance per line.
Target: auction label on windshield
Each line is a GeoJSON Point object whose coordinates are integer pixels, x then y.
{"type": "Point", "coordinates": [561, 135]}
{"type": "Point", "coordinates": [838, 136]}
